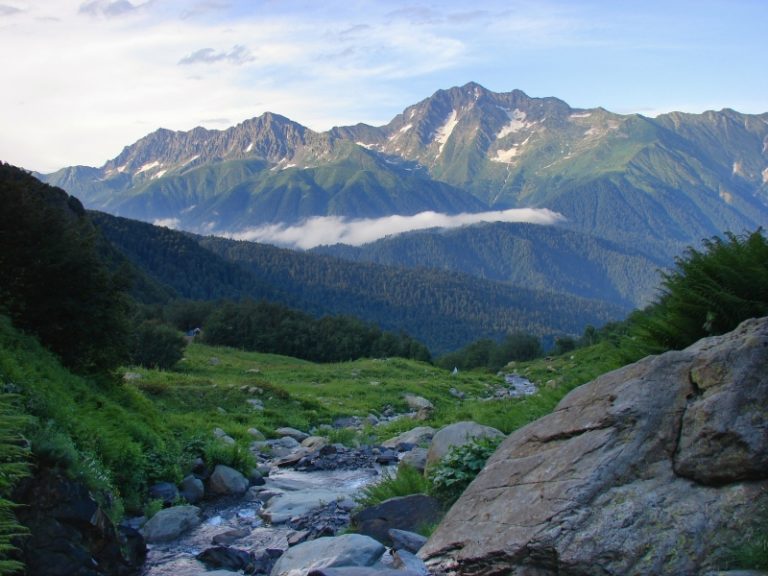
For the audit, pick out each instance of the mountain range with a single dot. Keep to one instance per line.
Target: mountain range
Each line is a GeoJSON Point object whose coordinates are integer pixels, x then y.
{"type": "Point", "coordinates": [628, 194]}
{"type": "Point", "coordinates": [658, 183]}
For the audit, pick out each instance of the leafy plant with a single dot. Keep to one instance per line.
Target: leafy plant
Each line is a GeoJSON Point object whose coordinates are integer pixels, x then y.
{"type": "Point", "coordinates": [152, 507]}
{"type": "Point", "coordinates": [13, 467]}
{"type": "Point", "coordinates": [451, 476]}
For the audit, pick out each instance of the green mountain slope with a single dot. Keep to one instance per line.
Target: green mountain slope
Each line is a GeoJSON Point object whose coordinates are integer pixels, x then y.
{"type": "Point", "coordinates": [524, 255]}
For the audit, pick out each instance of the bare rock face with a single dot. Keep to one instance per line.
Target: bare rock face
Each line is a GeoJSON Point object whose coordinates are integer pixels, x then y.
{"type": "Point", "coordinates": [656, 468]}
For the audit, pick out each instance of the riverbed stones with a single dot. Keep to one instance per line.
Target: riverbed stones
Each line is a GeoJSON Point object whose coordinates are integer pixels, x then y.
{"type": "Point", "coordinates": [626, 475]}
{"type": "Point", "coordinates": [416, 458]}
{"type": "Point", "coordinates": [192, 489]}
{"type": "Point", "coordinates": [297, 435]}
{"type": "Point", "coordinates": [170, 523]}
{"type": "Point", "coordinates": [226, 480]}
{"type": "Point", "coordinates": [226, 558]}
{"type": "Point", "coordinates": [283, 507]}
{"type": "Point", "coordinates": [406, 540]}
{"type": "Point", "coordinates": [336, 551]}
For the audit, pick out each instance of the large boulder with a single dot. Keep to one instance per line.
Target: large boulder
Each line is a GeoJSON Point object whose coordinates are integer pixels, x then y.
{"type": "Point", "coordinates": [171, 523]}
{"type": "Point", "coordinates": [295, 504]}
{"type": "Point", "coordinates": [656, 468]}
{"type": "Point", "coordinates": [414, 436]}
{"type": "Point", "coordinates": [328, 552]}
{"type": "Point", "coordinates": [226, 480]}
{"type": "Point", "coordinates": [455, 435]}
{"type": "Point", "coordinates": [403, 512]}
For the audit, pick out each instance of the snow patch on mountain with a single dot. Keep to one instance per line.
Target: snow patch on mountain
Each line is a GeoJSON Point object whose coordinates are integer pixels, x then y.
{"type": "Point", "coordinates": [444, 132]}
{"type": "Point", "coordinates": [580, 115]}
{"type": "Point", "coordinates": [505, 156]}
{"type": "Point", "coordinates": [249, 148]}
{"type": "Point", "coordinates": [405, 128]}
{"type": "Point", "coordinates": [516, 122]}
{"type": "Point", "coordinates": [149, 166]}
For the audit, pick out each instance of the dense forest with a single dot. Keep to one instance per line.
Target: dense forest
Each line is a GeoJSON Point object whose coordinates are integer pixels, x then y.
{"type": "Point", "coordinates": [531, 256]}
{"type": "Point", "coordinates": [443, 310]}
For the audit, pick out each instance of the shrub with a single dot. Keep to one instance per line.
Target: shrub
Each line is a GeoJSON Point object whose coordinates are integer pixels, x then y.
{"type": "Point", "coordinates": [157, 345]}
{"type": "Point", "coordinates": [709, 292]}
{"type": "Point", "coordinates": [451, 476]}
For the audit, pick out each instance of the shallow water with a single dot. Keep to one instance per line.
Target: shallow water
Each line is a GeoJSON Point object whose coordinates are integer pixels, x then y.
{"type": "Point", "coordinates": [177, 558]}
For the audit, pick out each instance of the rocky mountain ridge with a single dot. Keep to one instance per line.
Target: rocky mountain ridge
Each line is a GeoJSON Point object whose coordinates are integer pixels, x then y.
{"type": "Point", "coordinates": [666, 181]}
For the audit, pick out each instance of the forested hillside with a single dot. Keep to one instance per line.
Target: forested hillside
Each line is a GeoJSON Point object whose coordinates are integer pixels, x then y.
{"type": "Point", "coordinates": [441, 309]}
{"type": "Point", "coordinates": [525, 255]}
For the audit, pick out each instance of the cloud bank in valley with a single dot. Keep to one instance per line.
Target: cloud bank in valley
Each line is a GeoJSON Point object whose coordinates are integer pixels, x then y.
{"type": "Point", "coordinates": [324, 230]}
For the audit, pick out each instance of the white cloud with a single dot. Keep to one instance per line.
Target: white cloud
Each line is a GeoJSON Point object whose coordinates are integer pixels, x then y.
{"type": "Point", "coordinates": [324, 230]}
{"type": "Point", "coordinates": [107, 8]}
{"type": "Point", "coordinates": [167, 222]}
{"type": "Point", "coordinates": [238, 55]}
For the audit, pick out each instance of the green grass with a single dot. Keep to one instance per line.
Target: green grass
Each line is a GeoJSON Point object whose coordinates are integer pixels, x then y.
{"type": "Point", "coordinates": [405, 481]}
{"type": "Point", "coordinates": [122, 436]}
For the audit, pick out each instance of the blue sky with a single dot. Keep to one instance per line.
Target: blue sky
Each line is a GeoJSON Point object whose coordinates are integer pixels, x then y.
{"type": "Point", "coordinates": [82, 79]}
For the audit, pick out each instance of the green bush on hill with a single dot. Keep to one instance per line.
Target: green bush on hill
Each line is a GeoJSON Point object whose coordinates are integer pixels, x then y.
{"type": "Point", "coordinates": [709, 292]}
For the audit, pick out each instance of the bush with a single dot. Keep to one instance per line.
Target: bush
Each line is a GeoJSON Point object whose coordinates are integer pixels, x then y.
{"type": "Point", "coordinates": [708, 293]}
{"type": "Point", "coordinates": [451, 476]}
{"type": "Point", "coordinates": [157, 345]}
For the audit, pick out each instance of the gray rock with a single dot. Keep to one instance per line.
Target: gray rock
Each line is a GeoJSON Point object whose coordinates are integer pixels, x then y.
{"type": "Point", "coordinates": [405, 540]}
{"type": "Point", "coordinates": [227, 558]}
{"type": "Point", "coordinates": [314, 443]}
{"type": "Point", "coordinates": [283, 507]}
{"type": "Point", "coordinates": [171, 523]}
{"type": "Point", "coordinates": [457, 434]}
{"type": "Point", "coordinates": [297, 435]}
{"type": "Point", "coordinates": [416, 436]}
{"type": "Point", "coordinates": [416, 458]}
{"type": "Point", "coordinates": [255, 434]}
{"type": "Point", "coordinates": [608, 483]}
{"type": "Point", "coordinates": [230, 536]}
{"type": "Point", "coordinates": [329, 552]}
{"type": "Point", "coordinates": [408, 561]}
{"type": "Point", "coordinates": [418, 402]}
{"type": "Point", "coordinates": [192, 489]}
{"type": "Point", "coordinates": [359, 571]}
{"type": "Point", "coordinates": [222, 436]}
{"type": "Point", "coordinates": [164, 491]}
{"type": "Point", "coordinates": [226, 480]}
{"type": "Point", "coordinates": [403, 512]}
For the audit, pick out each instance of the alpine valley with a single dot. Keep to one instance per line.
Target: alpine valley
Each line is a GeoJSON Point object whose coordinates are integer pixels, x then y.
{"type": "Point", "coordinates": [627, 194]}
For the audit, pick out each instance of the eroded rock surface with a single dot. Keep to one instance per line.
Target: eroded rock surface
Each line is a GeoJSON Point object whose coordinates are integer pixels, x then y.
{"type": "Point", "coordinates": [656, 468]}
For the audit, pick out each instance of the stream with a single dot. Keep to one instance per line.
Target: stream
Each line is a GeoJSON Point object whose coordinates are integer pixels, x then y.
{"type": "Point", "coordinates": [241, 518]}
